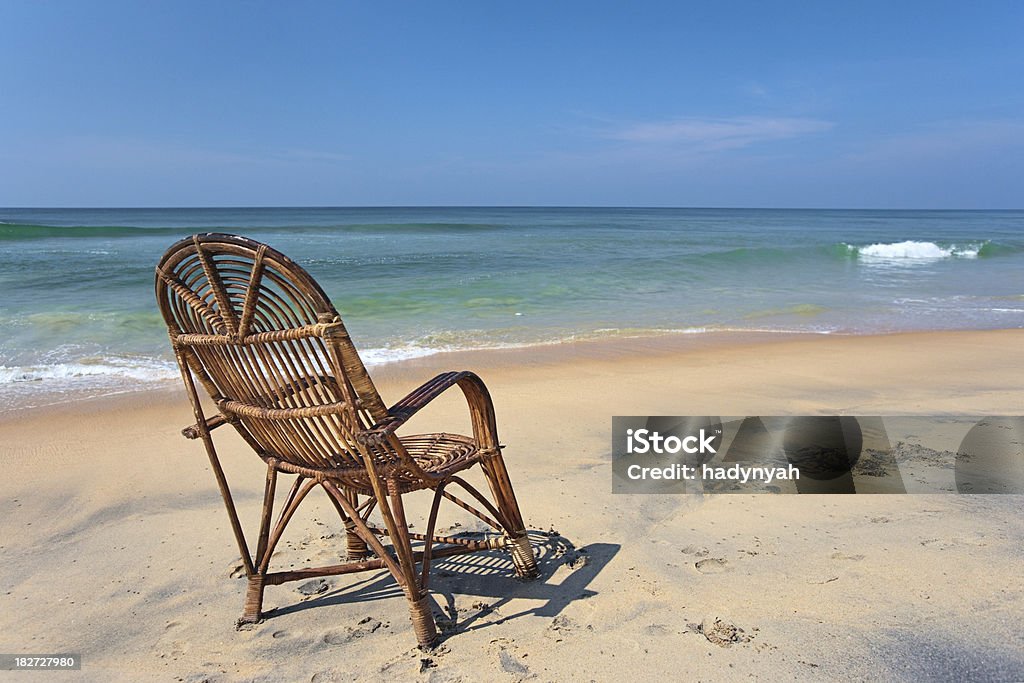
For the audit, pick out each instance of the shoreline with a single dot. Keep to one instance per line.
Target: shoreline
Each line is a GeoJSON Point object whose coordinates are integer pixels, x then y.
{"type": "Point", "coordinates": [616, 349]}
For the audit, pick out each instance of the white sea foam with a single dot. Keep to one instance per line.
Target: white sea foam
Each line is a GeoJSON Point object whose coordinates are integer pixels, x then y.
{"type": "Point", "coordinates": [455, 342]}
{"type": "Point", "coordinates": [116, 369]}
{"type": "Point", "coordinates": [380, 356]}
{"type": "Point", "coordinates": [916, 251]}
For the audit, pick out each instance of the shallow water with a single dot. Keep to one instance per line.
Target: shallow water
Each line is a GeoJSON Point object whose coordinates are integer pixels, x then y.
{"type": "Point", "coordinates": [77, 308]}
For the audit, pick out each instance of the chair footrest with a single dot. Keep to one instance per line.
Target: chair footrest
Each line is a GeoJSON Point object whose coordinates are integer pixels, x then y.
{"type": "Point", "coordinates": [489, 543]}
{"type": "Point", "coordinates": [277, 578]}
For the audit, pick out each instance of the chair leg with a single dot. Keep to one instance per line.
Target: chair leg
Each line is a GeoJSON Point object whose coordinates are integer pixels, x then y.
{"type": "Point", "coordinates": [355, 546]}
{"type": "Point", "coordinates": [523, 558]}
{"type": "Point", "coordinates": [505, 498]}
{"type": "Point", "coordinates": [419, 600]}
{"type": "Point", "coordinates": [423, 622]}
{"type": "Point", "coordinates": [252, 612]}
{"type": "Point", "coordinates": [252, 609]}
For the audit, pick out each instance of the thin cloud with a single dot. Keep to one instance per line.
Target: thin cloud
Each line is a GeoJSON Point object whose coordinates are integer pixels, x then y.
{"type": "Point", "coordinates": [717, 134]}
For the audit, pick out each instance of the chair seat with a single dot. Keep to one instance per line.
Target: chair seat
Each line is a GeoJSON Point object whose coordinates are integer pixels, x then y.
{"type": "Point", "coordinates": [438, 454]}
{"type": "Point", "coordinates": [441, 454]}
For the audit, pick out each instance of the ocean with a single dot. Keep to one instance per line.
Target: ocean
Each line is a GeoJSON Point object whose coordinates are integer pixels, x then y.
{"type": "Point", "coordinates": [78, 314]}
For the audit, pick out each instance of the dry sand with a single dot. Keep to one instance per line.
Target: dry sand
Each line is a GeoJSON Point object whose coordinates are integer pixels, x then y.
{"type": "Point", "coordinates": [114, 543]}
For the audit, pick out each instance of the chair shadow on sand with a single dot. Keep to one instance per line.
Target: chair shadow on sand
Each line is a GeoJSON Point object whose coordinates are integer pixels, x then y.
{"type": "Point", "coordinates": [484, 583]}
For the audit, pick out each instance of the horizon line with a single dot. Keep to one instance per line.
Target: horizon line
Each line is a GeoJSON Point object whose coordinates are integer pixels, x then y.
{"type": "Point", "coordinates": [488, 206]}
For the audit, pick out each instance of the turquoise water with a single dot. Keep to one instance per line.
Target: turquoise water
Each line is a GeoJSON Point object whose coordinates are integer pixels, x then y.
{"type": "Point", "coordinates": [76, 285]}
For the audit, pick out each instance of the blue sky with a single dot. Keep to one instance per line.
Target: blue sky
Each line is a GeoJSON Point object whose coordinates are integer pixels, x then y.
{"type": "Point", "coordinates": [759, 104]}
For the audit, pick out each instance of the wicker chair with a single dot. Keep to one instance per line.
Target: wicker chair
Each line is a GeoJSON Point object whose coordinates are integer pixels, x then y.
{"type": "Point", "coordinates": [264, 341]}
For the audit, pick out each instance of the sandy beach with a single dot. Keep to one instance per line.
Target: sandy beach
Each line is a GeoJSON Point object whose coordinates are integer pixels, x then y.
{"type": "Point", "coordinates": [115, 544]}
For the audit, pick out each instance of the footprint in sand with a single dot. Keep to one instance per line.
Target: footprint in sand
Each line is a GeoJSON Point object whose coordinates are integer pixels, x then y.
{"type": "Point", "coordinates": [314, 587]}
{"type": "Point", "coordinates": [511, 664]}
{"type": "Point", "coordinates": [338, 637]}
{"type": "Point", "coordinates": [722, 633]}
{"type": "Point", "coordinates": [654, 630]}
{"type": "Point", "coordinates": [712, 565]}
{"type": "Point", "coordinates": [366, 626]}
{"type": "Point", "coordinates": [841, 556]}
{"type": "Point", "coordinates": [561, 626]}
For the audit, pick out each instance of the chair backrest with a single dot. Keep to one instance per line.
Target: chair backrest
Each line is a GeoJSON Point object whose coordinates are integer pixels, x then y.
{"type": "Point", "coordinates": [264, 340]}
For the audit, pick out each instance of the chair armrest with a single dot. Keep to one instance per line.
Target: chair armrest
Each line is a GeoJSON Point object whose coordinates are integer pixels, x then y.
{"type": "Point", "coordinates": [400, 412]}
